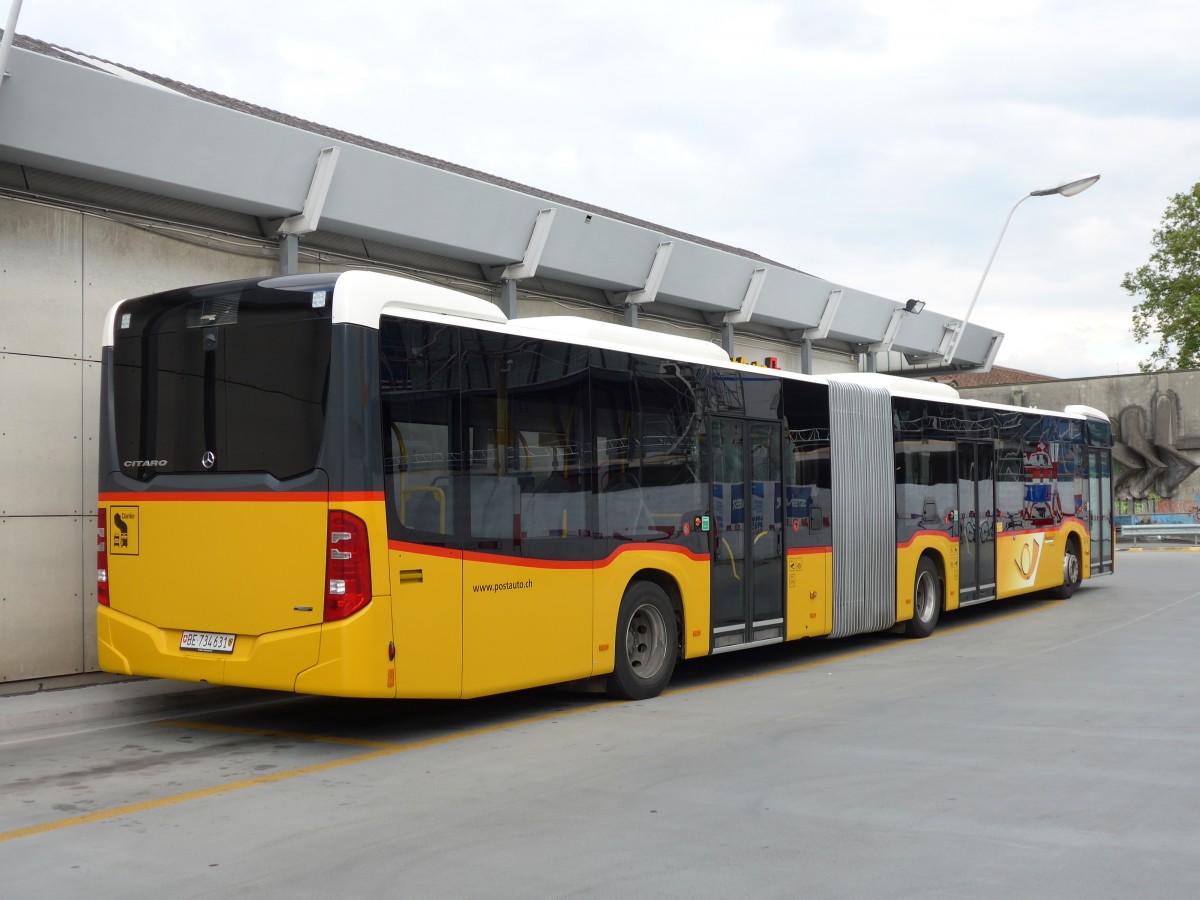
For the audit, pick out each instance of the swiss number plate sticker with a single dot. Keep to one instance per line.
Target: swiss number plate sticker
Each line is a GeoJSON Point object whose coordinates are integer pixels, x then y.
{"type": "Point", "coordinates": [206, 642]}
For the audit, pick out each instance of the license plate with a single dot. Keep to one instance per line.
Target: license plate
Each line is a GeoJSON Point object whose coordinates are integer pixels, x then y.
{"type": "Point", "coordinates": [206, 642]}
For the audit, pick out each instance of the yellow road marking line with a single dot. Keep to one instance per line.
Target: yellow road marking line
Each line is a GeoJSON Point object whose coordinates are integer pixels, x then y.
{"type": "Point", "coordinates": [383, 748]}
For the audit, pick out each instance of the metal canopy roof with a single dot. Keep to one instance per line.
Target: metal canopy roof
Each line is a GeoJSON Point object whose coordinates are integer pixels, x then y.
{"type": "Point", "coordinates": [72, 115]}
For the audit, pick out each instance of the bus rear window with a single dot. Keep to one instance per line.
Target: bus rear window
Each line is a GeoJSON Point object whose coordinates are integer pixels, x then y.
{"type": "Point", "coordinates": [222, 378]}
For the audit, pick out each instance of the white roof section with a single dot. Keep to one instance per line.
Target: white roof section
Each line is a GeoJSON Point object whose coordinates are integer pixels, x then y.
{"type": "Point", "coordinates": [1088, 412]}
{"type": "Point", "coordinates": [360, 298]}
{"type": "Point", "coordinates": [68, 116]}
{"type": "Point", "coordinates": [573, 329]}
{"type": "Point", "coordinates": [913, 388]}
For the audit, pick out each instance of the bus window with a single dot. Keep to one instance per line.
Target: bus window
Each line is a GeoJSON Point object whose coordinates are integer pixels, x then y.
{"type": "Point", "coordinates": [528, 455]}
{"type": "Point", "coordinates": [418, 392]}
{"type": "Point", "coordinates": [926, 487]}
{"type": "Point", "coordinates": [647, 454]}
{"type": "Point", "coordinates": [231, 379]}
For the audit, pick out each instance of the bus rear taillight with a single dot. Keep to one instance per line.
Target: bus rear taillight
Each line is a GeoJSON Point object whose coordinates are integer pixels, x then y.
{"type": "Point", "coordinates": [101, 558]}
{"type": "Point", "coordinates": [348, 568]}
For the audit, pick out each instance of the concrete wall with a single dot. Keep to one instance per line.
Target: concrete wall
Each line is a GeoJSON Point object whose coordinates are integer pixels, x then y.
{"type": "Point", "coordinates": [60, 270]}
{"type": "Point", "coordinates": [1157, 425]}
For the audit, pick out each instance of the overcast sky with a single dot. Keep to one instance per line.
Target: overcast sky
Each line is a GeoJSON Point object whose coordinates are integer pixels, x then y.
{"type": "Point", "coordinates": [877, 143]}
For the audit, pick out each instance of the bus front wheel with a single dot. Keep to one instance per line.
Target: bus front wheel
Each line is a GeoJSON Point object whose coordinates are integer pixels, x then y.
{"type": "Point", "coordinates": [647, 643]}
{"type": "Point", "coordinates": [927, 600]}
{"type": "Point", "coordinates": [1072, 570]}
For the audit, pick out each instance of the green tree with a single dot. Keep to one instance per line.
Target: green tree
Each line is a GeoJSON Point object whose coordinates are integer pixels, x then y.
{"type": "Point", "coordinates": [1170, 284]}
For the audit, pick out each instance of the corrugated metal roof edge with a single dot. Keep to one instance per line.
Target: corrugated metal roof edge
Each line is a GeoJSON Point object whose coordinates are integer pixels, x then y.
{"type": "Point", "coordinates": [76, 57]}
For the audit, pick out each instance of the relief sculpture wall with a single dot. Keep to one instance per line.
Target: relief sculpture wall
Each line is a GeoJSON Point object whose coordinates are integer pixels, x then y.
{"type": "Point", "coordinates": [1150, 449]}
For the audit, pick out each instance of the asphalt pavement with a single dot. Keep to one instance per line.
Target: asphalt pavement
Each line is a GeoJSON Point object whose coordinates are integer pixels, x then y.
{"type": "Point", "coordinates": [47, 707]}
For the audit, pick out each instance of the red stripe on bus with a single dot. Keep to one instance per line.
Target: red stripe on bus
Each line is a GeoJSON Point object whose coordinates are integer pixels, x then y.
{"type": "Point", "coordinates": [1048, 529]}
{"type": "Point", "coordinates": [356, 497]}
{"type": "Point", "coordinates": [655, 546]}
{"type": "Point", "coordinates": [244, 497]}
{"type": "Point", "coordinates": [425, 550]}
{"type": "Point", "coordinates": [521, 561]}
{"type": "Point", "coordinates": [926, 533]}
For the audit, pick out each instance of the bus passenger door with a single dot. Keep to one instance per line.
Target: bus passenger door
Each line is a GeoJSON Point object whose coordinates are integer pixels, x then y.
{"type": "Point", "coordinates": [747, 534]}
{"type": "Point", "coordinates": [1099, 511]}
{"type": "Point", "coordinates": [976, 522]}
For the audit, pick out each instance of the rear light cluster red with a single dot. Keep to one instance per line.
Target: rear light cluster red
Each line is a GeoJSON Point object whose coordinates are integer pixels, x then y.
{"type": "Point", "coordinates": [348, 567]}
{"type": "Point", "coordinates": [101, 558]}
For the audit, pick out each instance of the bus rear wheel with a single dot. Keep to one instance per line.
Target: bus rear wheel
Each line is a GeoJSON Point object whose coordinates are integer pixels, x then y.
{"type": "Point", "coordinates": [647, 643]}
{"type": "Point", "coordinates": [1072, 570]}
{"type": "Point", "coordinates": [927, 600]}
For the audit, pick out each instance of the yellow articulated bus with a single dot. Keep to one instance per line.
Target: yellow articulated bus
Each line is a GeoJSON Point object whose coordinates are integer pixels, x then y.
{"type": "Point", "coordinates": [364, 485]}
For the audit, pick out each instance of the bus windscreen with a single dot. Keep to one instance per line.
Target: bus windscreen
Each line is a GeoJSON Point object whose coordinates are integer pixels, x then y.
{"type": "Point", "coordinates": [228, 382]}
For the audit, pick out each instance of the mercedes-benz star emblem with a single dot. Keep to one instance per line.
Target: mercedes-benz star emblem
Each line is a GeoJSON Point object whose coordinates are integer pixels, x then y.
{"type": "Point", "coordinates": [208, 459]}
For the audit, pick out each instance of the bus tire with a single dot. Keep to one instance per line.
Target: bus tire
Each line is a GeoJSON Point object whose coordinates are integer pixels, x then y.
{"type": "Point", "coordinates": [927, 600]}
{"type": "Point", "coordinates": [1072, 570]}
{"type": "Point", "coordinates": [647, 643]}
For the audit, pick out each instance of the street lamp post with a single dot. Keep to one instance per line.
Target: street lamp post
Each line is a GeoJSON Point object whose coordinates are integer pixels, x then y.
{"type": "Point", "coordinates": [1066, 189]}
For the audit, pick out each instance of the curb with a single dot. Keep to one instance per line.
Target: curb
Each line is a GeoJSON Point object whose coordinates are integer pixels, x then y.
{"type": "Point", "coordinates": [1160, 549]}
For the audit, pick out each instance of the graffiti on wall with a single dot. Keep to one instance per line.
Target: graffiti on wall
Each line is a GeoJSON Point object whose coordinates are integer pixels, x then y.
{"type": "Point", "coordinates": [1153, 464]}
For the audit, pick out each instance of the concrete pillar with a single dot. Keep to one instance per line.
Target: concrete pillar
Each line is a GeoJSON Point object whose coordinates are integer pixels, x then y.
{"type": "Point", "coordinates": [289, 254]}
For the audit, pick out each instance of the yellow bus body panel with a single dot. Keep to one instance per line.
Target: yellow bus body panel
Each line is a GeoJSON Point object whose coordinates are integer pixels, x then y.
{"type": "Point", "coordinates": [1085, 558]}
{"type": "Point", "coordinates": [809, 593]}
{"type": "Point", "coordinates": [427, 620]}
{"type": "Point", "coordinates": [908, 556]}
{"type": "Point", "coordinates": [206, 564]}
{"type": "Point", "coordinates": [525, 623]}
{"type": "Point", "coordinates": [472, 624]}
{"type": "Point", "coordinates": [251, 568]}
{"type": "Point", "coordinates": [1033, 560]}
{"type": "Point", "coordinates": [354, 655]}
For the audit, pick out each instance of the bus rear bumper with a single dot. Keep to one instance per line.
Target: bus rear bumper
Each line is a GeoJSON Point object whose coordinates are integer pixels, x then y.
{"type": "Point", "coordinates": [270, 662]}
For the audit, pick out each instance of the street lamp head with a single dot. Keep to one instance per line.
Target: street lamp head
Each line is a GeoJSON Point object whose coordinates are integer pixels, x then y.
{"type": "Point", "coordinates": [914, 306]}
{"type": "Point", "coordinates": [1067, 188]}
{"type": "Point", "coordinates": [1070, 187]}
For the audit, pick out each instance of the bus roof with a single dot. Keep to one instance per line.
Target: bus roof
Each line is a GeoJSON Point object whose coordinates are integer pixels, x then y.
{"type": "Point", "coordinates": [362, 297]}
{"type": "Point", "coordinates": [593, 332]}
